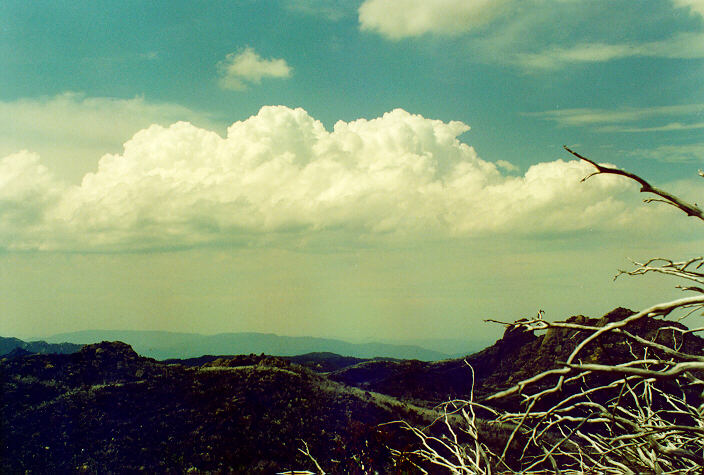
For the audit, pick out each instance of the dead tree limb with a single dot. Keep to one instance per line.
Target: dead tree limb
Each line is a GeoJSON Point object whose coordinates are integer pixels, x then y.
{"type": "Point", "coordinates": [645, 187]}
{"type": "Point", "coordinates": [640, 413]}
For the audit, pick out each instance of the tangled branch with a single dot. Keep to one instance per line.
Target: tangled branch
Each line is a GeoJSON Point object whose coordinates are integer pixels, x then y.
{"type": "Point", "coordinates": [689, 269]}
{"type": "Point", "coordinates": [643, 413]}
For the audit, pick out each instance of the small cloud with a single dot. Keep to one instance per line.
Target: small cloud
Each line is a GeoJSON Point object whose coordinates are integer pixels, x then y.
{"type": "Point", "coordinates": [239, 70]}
{"type": "Point", "coordinates": [406, 18]}
{"type": "Point", "coordinates": [586, 116]}
{"type": "Point", "coordinates": [508, 166]}
{"type": "Point", "coordinates": [556, 57]}
{"type": "Point", "coordinates": [150, 55]}
{"type": "Point", "coordinates": [672, 153]}
{"type": "Point", "coordinates": [332, 10]}
{"type": "Point", "coordinates": [621, 120]}
{"type": "Point", "coordinates": [680, 46]}
{"type": "Point", "coordinates": [659, 128]}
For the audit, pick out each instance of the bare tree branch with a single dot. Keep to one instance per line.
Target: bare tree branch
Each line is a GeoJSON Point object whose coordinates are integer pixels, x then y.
{"type": "Point", "coordinates": [641, 413]}
{"type": "Point", "coordinates": [306, 451]}
{"type": "Point", "coordinates": [645, 187]}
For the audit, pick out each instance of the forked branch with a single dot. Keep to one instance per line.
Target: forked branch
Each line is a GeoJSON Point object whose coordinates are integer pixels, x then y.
{"type": "Point", "coordinates": [645, 187]}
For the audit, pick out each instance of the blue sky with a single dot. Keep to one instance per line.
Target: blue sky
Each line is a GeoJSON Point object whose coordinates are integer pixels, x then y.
{"type": "Point", "coordinates": [450, 120]}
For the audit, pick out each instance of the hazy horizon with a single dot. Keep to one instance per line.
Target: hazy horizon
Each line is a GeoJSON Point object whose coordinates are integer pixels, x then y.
{"type": "Point", "coordinates": [353, 170]}
{"type": "Point", "coordinates": [431, 343]}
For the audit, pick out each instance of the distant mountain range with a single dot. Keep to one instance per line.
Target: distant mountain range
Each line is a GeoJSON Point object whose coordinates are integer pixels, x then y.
{"type": "Point", "coordinates": [165, 345]}
{"type": "Point", "coordinates": [8, 345]}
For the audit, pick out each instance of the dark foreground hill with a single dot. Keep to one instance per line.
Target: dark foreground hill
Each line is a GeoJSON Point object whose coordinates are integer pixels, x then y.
{"type": "Point", "coordinates": [106, 409]}
{"type": "Point", "coordinates": [515, 357]}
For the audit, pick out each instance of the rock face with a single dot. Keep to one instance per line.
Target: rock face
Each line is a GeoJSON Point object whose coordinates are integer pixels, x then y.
{"type": "Point", "coordinates": [101, 363]}
{"type": "Point", "coordinates": [507, 362]}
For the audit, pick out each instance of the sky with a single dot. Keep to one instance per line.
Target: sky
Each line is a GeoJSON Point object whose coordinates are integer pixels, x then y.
{"type": "Point", "coordinates": [364, 170]}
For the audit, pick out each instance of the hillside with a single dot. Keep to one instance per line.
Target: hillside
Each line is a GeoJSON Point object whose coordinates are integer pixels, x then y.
{"type": "Point", "coordinates": [320, 362]}
{"type": "Point", "coordinates": [516, 356]}
{"type": "Point", "coordinates": [105, 408]}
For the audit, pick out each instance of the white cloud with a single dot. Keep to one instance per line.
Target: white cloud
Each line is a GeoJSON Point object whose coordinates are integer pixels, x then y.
{"type": "Point", "coordinates": [238, 70]}
{"type": "Point", "coordinates": [27, 191]}
{"type": "Point", "coordinates": [523, 33]}
{"type": "Point", "coordinates": [72, 130]}
{"type": "Point", "coordinates": [333, 10]}
{"type": "Point", "coordinates": [695, 6]}
{"type": "Point", "coordinates": [282, 175]}
{"type": "Point", "coordinates": [672, 153]}
{"type": "Point", "coordinates": [557, 56]}
{"type": "Point", "coordinates": [669, 127]}
{"type": "Point", "coordinates": [587, 116]}
{"type": "Point", "coordinates": [679, 46]}
{"type": "Point", "coordinates": [405, 18]}
{"type": "Point", "coordinates": [620, 120]}
{"type": "Point", "coordinates": [506, 165]}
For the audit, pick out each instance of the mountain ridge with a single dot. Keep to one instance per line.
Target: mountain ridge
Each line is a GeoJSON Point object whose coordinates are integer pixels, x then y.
{"type": "Point", "coordinates": [114, 410]}
{"type": "Point", "coordinates": [516, 356]}
{"type": "Point", "coordinates": [164, 345]}
{"type": "Point", "coordinates": [10, 344]}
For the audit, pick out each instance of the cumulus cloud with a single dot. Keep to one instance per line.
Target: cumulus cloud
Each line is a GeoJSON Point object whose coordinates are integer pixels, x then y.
{"type": "Point", "coordinates": [404, 18]}
{"type": "Point", "coordinates": [281, 175]}
{"type": "Point", "coordinates": [27, 191]}
{"type": "Point", "coordinates": [238, 70]}
{"type": "Point", "coordinates": [72, 130]}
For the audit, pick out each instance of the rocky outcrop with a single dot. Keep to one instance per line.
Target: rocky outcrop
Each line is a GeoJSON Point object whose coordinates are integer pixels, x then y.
{"type": "Point", "coordinates": [518, 355]}
{"type": "Point", "coordinates": [100, 363]}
